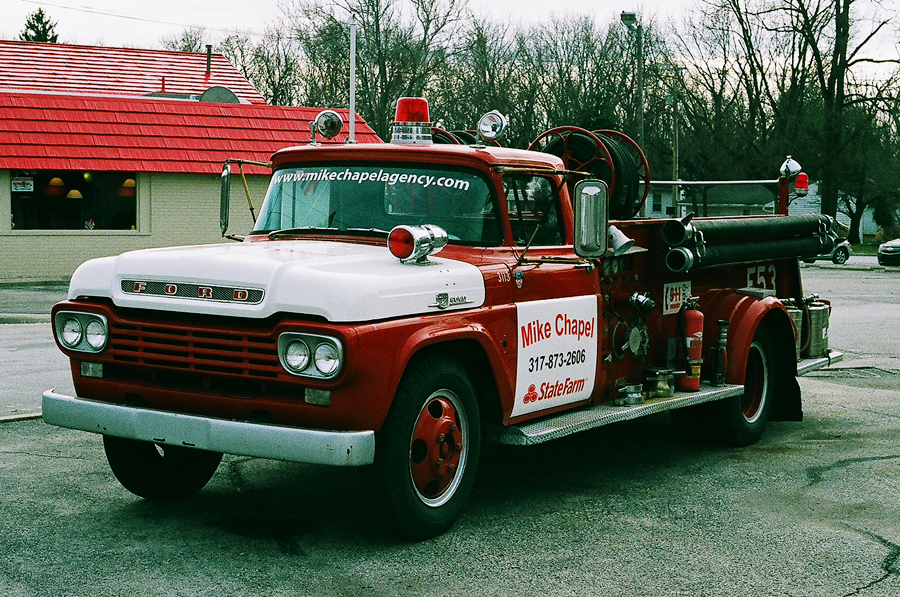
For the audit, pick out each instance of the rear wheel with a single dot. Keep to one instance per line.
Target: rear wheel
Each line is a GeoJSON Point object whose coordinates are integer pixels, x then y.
{"type": "Point", "coordinates": [159, 471]}
{"type": "Point", "coordinates": [428, 449]}
{"type": "Point", "coordinates": [744, 417]}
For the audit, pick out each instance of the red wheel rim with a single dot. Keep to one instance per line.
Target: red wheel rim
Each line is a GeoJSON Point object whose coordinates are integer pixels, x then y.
{"type": "Point", "coordinates": [756, 384]}
{"type": "Point", "coordinates": [438, 448]}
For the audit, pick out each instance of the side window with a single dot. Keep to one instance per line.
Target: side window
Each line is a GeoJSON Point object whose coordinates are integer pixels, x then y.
{"type": "Point", "coordinates": [533, 205]}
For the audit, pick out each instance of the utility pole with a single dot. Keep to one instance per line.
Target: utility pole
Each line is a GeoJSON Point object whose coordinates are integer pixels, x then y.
{"type": "Point", "coordinates": [632, 21]}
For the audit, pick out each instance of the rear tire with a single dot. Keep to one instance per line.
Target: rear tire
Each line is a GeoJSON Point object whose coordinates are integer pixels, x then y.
{"type": "Point", "coordinates": [427, 451]}
{"type": "Point", "coordinates": [744, 417]}
{"type": "Point", "coordinates": [159, 471]}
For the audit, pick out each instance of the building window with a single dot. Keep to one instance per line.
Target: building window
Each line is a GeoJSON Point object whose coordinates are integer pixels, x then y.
{"type": "Point", "coordinates": [657, 202]}
{"type": "Point", "coordinates": [73, 200]}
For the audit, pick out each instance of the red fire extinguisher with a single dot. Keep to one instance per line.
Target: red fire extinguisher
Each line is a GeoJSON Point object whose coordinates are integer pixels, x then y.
{"type": "Point", "coordinates": [691, 324]}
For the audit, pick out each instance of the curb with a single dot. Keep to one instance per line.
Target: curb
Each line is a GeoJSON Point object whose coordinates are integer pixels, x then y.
{"type": "Point", "coordinates": [22, 417]}
{"type": "Point", "coordinates": [859, 268]}
{"type": "Point", "coordinates": [24, 318]}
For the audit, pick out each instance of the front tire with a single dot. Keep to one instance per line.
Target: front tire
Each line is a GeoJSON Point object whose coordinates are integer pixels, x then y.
{"type": "Point", "coordinates": [159, 471]}
{"type": "Point", "coordinates": [428, 448]}
{"type": "Point", "coordinates": [840, 256]}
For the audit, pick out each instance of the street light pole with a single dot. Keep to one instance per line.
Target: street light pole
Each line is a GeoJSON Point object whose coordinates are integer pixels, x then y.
{"type": "Point", "coordinates": [630, 20]}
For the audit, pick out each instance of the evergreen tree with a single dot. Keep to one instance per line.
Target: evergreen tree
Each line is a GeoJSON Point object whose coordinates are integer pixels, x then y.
{"type": "Point", "coordinates": [39, 27]}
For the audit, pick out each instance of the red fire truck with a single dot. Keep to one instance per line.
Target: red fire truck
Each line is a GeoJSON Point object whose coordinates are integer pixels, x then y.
{"type": "Point", "coordinates": [398, 304]}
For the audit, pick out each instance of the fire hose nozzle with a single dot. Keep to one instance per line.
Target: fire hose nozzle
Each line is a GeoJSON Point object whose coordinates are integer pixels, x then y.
{"type": "Point", "coordinates": [679, 260]}
{"type": "Point", "coordinates": [676, 233]}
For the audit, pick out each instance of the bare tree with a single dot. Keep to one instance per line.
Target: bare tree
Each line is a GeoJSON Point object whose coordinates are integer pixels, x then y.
{"type": "Point", "coordinates": [398, 56]}
{"type": "Point", "coordinates": [191, 39]}
{"type": "Point", "coordinates": [482, 74]}
{"type": "Point", "coordinates": [271, 63]}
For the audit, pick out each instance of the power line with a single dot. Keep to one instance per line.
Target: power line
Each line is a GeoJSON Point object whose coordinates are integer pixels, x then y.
{"type": "Point", "coordinates": [136, 18]}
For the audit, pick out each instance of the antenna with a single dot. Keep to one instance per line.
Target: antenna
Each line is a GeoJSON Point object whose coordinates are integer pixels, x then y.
{"type": "Point", "coordinates": [351, 136]}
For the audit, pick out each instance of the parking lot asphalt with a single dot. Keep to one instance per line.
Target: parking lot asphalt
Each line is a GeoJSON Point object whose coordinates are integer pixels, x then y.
{"type": "Point", "coordinates": [30, 302]}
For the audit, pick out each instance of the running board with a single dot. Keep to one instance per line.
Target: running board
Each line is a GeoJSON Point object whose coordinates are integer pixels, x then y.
{"type": "Point", "coordinates": [582, 419]}
{"type": "Point", "coordinates": [809, 365]}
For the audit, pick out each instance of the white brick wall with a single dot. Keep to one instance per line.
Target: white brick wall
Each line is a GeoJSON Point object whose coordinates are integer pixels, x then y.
{"type": "Point", "coordinates": [173, 209]}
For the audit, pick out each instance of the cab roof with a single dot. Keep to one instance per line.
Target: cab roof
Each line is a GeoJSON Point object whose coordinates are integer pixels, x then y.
{"type": "Point", "coordinates": [436, 153]}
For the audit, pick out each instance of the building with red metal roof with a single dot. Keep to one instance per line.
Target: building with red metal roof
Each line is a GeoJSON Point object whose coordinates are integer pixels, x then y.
{"type": "Point", "coordinates": [97, 171]}
{"type": "Point", "coordinates": [64, 68]}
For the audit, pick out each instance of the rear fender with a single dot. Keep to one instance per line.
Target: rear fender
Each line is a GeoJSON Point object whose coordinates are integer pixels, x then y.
{"type": "Point", "coordinates": [747, 315]}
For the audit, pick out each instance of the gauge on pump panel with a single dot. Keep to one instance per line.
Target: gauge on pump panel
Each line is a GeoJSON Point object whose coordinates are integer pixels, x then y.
{"type": "Point", "coordinates": [607, 266]}
{"type": "Point", "coordinates": [616, 263]}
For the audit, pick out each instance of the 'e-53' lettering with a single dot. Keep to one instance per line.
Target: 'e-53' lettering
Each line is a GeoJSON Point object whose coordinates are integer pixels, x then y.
{"type": "Point", "coordinates": [761, 276]}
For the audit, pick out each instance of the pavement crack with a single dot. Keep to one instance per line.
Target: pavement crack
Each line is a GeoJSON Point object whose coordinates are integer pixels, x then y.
{"type": "Point", "coordinates": [816, 474]}
{"type": "Point", "coordinates": [890, 565]}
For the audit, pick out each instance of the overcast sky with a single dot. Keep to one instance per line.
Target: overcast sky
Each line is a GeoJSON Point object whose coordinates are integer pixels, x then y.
{"type": "Point", "coordinates": [141, 23]}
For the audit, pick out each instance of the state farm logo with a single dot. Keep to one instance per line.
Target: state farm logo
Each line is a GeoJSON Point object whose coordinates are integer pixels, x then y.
{"type": "Point", "coordinates": [554, 389]}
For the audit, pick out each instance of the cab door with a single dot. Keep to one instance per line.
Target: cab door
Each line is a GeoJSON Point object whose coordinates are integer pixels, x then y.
{"type": "Point", "coordinates": [557, 301]}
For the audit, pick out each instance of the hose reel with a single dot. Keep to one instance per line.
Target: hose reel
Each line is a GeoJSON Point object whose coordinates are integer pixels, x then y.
{"type": "Point", "coordinates": [607, 155]}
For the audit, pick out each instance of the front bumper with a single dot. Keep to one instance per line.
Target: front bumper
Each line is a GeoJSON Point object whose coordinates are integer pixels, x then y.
{"type": "Point", "coordinates": [888, 258]}
{"type": "Point", "coordinates": [336, 448]}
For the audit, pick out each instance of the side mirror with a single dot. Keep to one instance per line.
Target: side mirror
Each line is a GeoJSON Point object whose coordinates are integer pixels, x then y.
{"type": "Point", "coordinates": [591, 218]}
{"type": "Point", "coordinates": [225, 198]}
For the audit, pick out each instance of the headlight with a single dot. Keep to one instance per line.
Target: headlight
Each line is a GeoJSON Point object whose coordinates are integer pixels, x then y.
{"type": "Point", "coordinates": [298, 352]}
{"type": "Point", "coordinates": [71, 332]}
{"type": "Point", "coordinates": [327, 359]}
{"type": "Point", "coordinates": [296, 356]}
{"type": "Point", "coordinates": [82, 332]}
{"type": "Point", "coordinates": [95, 334]}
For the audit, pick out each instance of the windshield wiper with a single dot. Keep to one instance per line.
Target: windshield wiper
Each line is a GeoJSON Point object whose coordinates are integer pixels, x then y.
{"type": "Point", "coordinates": [302, 230]}
{"type": "Point", "coordinates": [366, 230]}
{"type": "Point", "coordinates": [325, 230]}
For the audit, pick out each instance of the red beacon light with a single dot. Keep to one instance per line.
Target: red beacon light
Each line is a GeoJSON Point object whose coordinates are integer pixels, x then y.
{"type": "Point", "coordinates": [801, 185]}
{"type": "Point", "coordinates": [416, 243]}
{"type": "Point", "coordinates": [411, 125]}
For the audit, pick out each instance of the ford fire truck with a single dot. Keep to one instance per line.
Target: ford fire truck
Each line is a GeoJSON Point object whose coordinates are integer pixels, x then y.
{"type": "Point", "coordinates": [399, 304]}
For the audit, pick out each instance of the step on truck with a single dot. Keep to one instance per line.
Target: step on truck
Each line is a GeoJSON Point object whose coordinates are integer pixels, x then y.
{"type": "Point", "coordinates": [398, 304]}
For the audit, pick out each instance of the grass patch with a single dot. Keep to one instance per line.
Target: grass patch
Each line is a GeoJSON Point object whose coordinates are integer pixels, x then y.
{"type": "Point", "coordinates": [865, 249]}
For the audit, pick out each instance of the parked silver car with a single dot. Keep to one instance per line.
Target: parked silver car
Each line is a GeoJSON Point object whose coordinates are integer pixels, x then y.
{"type": "Point", "coordinates": [889, 252]}
{"type": "Point", "coordinates": [839, 254]}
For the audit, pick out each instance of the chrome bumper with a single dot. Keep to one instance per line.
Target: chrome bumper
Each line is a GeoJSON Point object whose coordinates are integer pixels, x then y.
{"type": "Point", "coordinates": [336, 448]}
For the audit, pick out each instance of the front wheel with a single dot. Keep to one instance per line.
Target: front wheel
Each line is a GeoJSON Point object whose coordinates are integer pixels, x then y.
{"type": "Point", "coordinates": [840, 256]}
{"type": "Point", "coordinates": [428, 449]}
{"type": "Point", "coordinates": [159, 471]}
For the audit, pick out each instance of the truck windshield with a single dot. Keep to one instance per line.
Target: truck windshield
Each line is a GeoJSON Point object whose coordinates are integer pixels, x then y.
{"type": "Point", "coordinates": [343, 197]}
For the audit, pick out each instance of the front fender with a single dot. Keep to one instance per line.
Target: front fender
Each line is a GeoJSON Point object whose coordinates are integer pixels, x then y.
{"type": "Point", "coordinates": [395, 344]}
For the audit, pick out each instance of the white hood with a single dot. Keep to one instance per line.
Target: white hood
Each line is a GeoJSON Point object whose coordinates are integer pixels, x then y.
{"type": "Point", "coordinates": [341, 282]}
